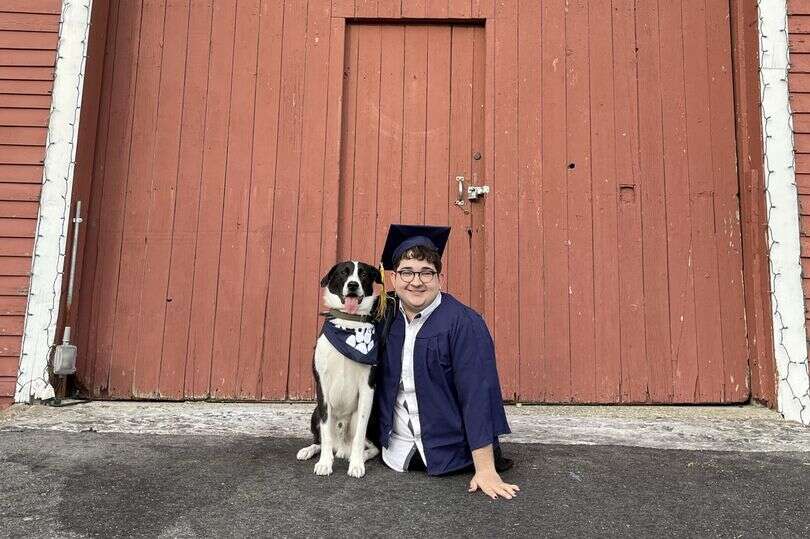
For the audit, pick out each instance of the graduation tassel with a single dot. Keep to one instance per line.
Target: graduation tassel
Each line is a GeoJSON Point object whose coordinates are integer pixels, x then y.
{"type": "Point", "coordinates": [382, 301]}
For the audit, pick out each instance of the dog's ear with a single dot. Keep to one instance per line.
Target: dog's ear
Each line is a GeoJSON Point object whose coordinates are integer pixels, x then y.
{"type": "Point", "coordinates": [327, 277]}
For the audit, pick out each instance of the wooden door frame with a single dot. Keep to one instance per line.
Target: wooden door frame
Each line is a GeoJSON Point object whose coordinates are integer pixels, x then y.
{"type": "Point", "coordinates": [751, 185]}
{"type": "Point", "coordinates": [745, 76]}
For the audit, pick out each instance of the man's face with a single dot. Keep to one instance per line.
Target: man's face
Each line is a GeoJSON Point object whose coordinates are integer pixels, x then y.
{"type": "Point", "coordinates": [416, 295]}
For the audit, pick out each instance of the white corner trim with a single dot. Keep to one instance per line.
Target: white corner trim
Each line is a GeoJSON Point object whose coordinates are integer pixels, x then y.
{"type": "Point", "coordinates": [782, 201]}
{"type": "Point", "coordinates": [44, 295]}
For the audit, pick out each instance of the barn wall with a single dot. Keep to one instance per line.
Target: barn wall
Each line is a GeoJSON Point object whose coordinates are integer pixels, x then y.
{"type": "Point", "coordinates": [799, 86]}
{"type": "Point", "coordinates": [28, 40]}
{"type": "Point", "coordinates": [799, 83]}
{"type": "Point", "coordinates": [756, 269]}
{"type": "Point", "coordinates": [201, 135]}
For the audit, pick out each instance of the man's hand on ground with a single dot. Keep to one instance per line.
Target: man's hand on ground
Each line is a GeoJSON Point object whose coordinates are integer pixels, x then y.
{"type": "Point", "coordinates": [486, 478]}
{"type": "Point", "coordinates": [492, 485]}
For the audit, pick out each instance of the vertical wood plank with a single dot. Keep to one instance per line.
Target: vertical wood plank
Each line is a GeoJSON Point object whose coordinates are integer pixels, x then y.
{"type": "Point", "coordinates": [487, 227]}
{"type": "Point", "coordinates": [413, 138]}
{"type": "Point", "coordinates": [209, 224]}
{"type": "Point", "coordinates": [459, 9]}
{"type": "Point", "coordinates": [334, 146]}
{"type": "Point", "coordinates": [285, 214]}
{"type": "Point", "coordinates": [654, 218]}
{"type": "Point", "coordinates": [457, 254]}
{"type": "Point", "coordinates": [556, 353]}
{"type": "Point", "coordinates": [127, 338]}
{"type": "Point", "coordinates": [93, 103]}
{"type": "Point", "coordinates": [175, 377]}
{"type": "Point", "coordinates": [681, 281]}
{"type": "Point", "coordinates": [91, 278]}
{"type": "Point", "coordinates": [343, 8]}
{"type": "Point", "coordinates": [262, 189]}
{"type": "Point", "coordinates": [701, 197]}
{"type": "Point", "coordinates": [348, 142]}
{"type": "Point", "coordinates": [437, 147]}
{"type": "Point", "coordinates": [605, 206]}
{"type": "Point", "coordinates": [531, 262]}
{"type": "Point", "coordinates": [232, 256]}
{"type": "Point", "coordinates": [389, 9]}
{"type": "Point", "coordinates": [415, 8]}
{"type": "Point", "coordinates": [482, 8]}
{"type": "Point", "coordinates": [115, 177]}
{"type": "Point", "coordinates": [580, 215]}
{"type": "Point", "coordinates": [305, 291]}
{"type": "Point", "coordinates": [364, 192]}
{"type": "Point", "coordinates": [726, 204]}
{"type": "Point", "coordinates": [631, 298]}
{"type": "Point", "coordinates": [389, 187]}
{"type": "Point", "coordinates": [161, 201]}
{"type": "Point", "coordinates": [745, 49]}
{"type": "Point", "coordinates": [366, 8]}
{"type": "Point", "coordinates": [505, 188]}
{"type": "Point", "coordinates": [436, 9]}
{"type": "Point", "coordinates": [481, 122]}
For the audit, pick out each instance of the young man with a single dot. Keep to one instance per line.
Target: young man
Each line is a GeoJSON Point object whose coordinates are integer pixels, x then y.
{"type": "Point", "coordinates": [438, 395]}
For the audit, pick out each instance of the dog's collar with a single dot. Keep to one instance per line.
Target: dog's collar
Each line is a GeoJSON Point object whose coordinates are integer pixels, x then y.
{"type": "Point", "coordinates": [336, 313]}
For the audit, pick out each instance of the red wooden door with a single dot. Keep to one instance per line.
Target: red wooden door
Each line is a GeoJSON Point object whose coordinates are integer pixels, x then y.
{"type": "Point", "coordinates": [243, 147]}
{"type": "Point", "coordinates": [413, 142]}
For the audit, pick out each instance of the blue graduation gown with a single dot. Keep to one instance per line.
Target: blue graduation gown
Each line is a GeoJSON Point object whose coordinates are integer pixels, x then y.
{"type": "Point", "coordinates": [457, 388]}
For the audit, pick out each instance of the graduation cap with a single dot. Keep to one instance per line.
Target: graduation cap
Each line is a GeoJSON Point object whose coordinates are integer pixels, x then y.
{"type": "Point", "coordinates": [403, 237]}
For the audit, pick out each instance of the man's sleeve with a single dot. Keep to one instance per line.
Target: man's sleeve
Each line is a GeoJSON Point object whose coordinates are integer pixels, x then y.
{"type": "Point", "coordinates": [477, 385]}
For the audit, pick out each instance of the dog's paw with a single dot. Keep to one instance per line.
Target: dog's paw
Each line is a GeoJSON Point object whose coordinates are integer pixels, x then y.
{"type": "Point", "coordinates": [370, 452]}
{"type": "Point", "coordinates": [323, 468]}
{"type": "Point", "coordinates": [308, 452]}
{"type": "Point", "coordinates": [357, 468]}
{"type": "Point", "coordinates": [342, 453]}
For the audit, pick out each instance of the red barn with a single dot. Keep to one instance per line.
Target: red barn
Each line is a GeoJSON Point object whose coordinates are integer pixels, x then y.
{"type": "Point", "coordinates": [229, 152]}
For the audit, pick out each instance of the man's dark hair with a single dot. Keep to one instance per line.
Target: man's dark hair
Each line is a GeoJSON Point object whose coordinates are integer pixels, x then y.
{"type": "Point", "coordinates": [421, 252]}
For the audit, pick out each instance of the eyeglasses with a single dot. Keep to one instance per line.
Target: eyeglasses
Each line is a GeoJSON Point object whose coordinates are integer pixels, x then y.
{"type": "Point", "coordinates": [425, 276]}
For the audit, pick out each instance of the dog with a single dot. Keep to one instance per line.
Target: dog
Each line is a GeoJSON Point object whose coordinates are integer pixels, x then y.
{"type": "Point", "coordinates": [345, 386]}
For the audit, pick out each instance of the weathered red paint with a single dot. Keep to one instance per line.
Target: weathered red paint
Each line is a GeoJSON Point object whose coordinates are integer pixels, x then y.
{"type": "Point", "coordinates": [607, 259]}
{"type": "Point", "coordinates": [28, 35]}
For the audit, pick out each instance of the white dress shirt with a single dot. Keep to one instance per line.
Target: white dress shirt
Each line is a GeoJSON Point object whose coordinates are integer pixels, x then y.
{"type": "Point", "coordinates": [406, 435]}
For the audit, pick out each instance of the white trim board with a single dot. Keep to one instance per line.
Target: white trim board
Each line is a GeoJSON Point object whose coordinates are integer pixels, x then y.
{"type": "Point", "coordinates": [782, 206]}
{"type": "Point", "coordinates": [42, 311]}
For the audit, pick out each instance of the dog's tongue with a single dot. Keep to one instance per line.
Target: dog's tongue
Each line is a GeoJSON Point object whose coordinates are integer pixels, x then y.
{"type": "Point", "coordinates": [350, 304]}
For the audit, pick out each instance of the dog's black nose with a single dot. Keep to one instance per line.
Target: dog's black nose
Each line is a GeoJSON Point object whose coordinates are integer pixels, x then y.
{"type": "Point", "coordinates": [353, 286]}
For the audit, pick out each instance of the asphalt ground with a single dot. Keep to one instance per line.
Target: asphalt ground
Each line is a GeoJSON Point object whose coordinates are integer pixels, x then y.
{"type": "Point", "coordinates": [57, 484]}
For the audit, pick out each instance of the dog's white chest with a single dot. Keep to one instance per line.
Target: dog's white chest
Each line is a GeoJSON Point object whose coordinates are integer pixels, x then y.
{"type": "Point", "coordinates": [340, 378]}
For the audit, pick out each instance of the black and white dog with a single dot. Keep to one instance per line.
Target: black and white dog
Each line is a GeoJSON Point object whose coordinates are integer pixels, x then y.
{"type": "Point", "coordinates": [345, 359]}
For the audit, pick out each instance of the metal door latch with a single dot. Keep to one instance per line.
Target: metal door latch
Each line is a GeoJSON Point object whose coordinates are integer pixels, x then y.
{"type": "Point", "coordinates": [460, 200]}
{"type": "Point", "coordinates": [474, 192]}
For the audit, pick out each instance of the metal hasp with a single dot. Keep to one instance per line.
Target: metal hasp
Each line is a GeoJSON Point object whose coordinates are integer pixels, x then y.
{"type": "Point", "coordinates": [474, 192]}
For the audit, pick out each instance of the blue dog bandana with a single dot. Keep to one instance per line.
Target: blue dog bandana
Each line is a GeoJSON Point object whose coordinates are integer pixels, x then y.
{"type": "Point", "coordinates": [356, 344]}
